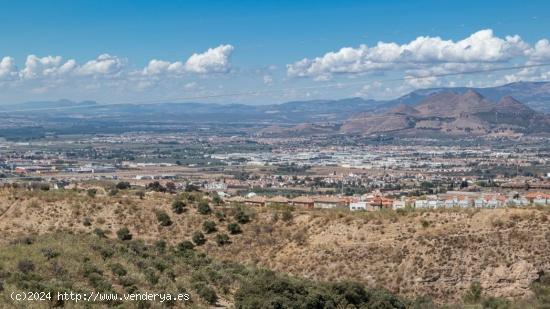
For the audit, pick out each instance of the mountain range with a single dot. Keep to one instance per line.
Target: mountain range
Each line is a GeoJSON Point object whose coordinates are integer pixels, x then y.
{"type": "Point", "coordinates": [513, 108]}
{"type": "Point", "coordinates": [451, 113]}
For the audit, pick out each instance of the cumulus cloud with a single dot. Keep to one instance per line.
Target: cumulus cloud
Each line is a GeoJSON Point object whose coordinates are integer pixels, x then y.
{"type": "Point", "coordinates": [104, 64]}
{"type": "Point", "coordinates": [37, 67]}
{"type": "Point", "coordinates": [540, 52]}
{"type": "Point", "coordinates": [54, 66]}
{"type": "Point", "coordinates": [214, 60]}
{"type": "Point", "coordinates": [481, 47]}
{"type": "Point", "coordinates": [8, 69]}
{"type": "Point", "coordinates": [156, 67]}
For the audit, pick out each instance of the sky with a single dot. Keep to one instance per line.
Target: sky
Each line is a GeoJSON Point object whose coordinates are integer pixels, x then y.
{"type": "Point", "coordinates": [260, 52]}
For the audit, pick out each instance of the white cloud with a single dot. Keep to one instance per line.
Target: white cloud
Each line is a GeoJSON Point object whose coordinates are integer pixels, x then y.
{"type": "Point", "coordinates": [541, 51]}
{"type": "Point", "coordinates": [268, 80]}
{"type": "Point", "coordinates": [103, 65]}
{"type": "Point", "coordinates": [479, 48]}
{"type": "Point", "coordinates": [214, 60]}
{"type": "Point", "coordinates": [8, 69]}
{"type": "Point", "coordinates": [36, 67]}
{"type": "Point", "coordinates": [156, 67]}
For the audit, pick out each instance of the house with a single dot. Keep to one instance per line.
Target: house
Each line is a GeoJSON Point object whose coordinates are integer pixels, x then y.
{"type": "Point", "coordinates": [328, 202]}
{"type": "Point", "coordinates": [398, 204]}
{"type": "Point", "coordinates": [420, 204]}
{"type": "Point", "coordinates": [277, 200]}
{"type": "Point", "coordinates": [235, 199]}
{"type": "Point", "coordinates": [538, 198]}
{"type": "Point", "coordinates": [355, 206]}
{"type": "Point", "coordinates": [255, 201]}
{"type": "Point", "coordinates": [302, 202]}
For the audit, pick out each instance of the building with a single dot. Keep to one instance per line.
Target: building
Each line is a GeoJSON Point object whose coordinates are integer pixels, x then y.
{"type": "Point", "coordinates": [355, 206]}
{"type": "Point", "coordinates": [302, 202]}
{"type": "Point", "coordinates": [328, 202]}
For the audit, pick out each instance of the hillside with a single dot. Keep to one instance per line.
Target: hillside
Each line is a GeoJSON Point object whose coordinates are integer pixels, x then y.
{"type": "Point", "coordinates": [450, 113]}
{"type": "Point", "coordinates": [437, 254]}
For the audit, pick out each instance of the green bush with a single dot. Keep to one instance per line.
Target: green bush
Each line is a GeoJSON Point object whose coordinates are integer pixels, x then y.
{"type": "Point", "coordinates": [473, 295]}
{"type": "Point", "coordinates": [209, 227]}
{"type": "Point", "coordinates": [118, 270]}
{"type": "Point", "coordinates": [234, 228]}
{"type": "Point", "coordinates": [287, 215]}
{"type": "Point", "coordinates": [198, 238]}
{"type": "Point", "coordinates": [92, 193]}
{"type": "Point", "coordinates": [123, 185]}
{"type": "Point", "coordinates": [163, 218]}
{"type": "Point", "coordinates": [178, 207]}
{"type": "Point", "coordinates": [207, 293]}
{"type": "Point", "coordinates": [25, 266]}
{"type": "Point", "coordinates": [100, 233]}
{"type": "Point", "coordinates": [185, 245]}
{"type": "Point", "coordinates": [241, 216]}
{"type": "Point", "coordinates": [124, 234]}
{"type": "Point", "coordinates": [222, 239]}
{"type": "Point", "coordinates": [204, 208]}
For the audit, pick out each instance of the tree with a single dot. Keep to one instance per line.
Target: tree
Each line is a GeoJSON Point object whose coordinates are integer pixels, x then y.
{"type": "Point", "coordinates": [123, 185]}
{"type": "Point", "coordinates": [155, 186]}
{"type": "Point", "coordinates": [241, 216]}
{"type": "Point", "coordinates": [209, 227]}
{"type": "Point", "coordinates": [124, 234]}
{"type": "Point", "coordinates": [163, 218]}
{"type": "Point", "coordinates": [171, 187]}
{"type": "Point", "coordinates": [179, 207]}
{"type": "Point", "coordinates": [222, 239]}
{"type": "Point", "coordinates": [234, 228]}
{"type": "Point", "coordinates": [204, 208]}
{"type": "Point", "coordinates": [198, 238]}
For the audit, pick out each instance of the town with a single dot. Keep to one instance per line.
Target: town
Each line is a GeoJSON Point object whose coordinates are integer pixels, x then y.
{"type": "Point", "coordinates": [304, 173]}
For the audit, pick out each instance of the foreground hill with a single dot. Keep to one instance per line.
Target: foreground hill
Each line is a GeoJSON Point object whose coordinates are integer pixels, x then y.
{"type": "Point", "coordinates": [450, 113]}
{"type": "Point", "coordinates": [437, 254]}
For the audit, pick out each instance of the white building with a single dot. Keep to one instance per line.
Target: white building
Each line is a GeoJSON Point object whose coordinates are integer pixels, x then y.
{"type": "Point", "coordinates": [355, 206]}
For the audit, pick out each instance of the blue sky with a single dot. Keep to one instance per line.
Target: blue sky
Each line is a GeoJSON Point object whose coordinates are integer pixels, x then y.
{"type": "Point", "coordinates": [105, 50]}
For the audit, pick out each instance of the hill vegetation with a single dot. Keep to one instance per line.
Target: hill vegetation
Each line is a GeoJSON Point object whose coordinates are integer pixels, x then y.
{"type": "Point", "coordinates": [233, 255]}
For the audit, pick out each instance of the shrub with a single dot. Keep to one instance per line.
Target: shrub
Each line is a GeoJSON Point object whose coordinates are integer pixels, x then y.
{"type": "Point", "coordinates": [204, 208]}
{"type": "Point", "coordinates": [209, 227]}
{"type": "Point", "coordinates": [124, 234]}
{"type": "Point", "coordinates": [241, 216]}
{"type": "Point", "coordinates": [220, 216]}
{"type": "Point", "coordinates": [123, 185]}
{"type": "Point", "coordinates": [50, 253]}
{"type": "Point", "coordinates": [287, 215]}
{"type": "Point", "coordinates": [87, 222]}
{"type": "Point", "coordinates": [185, 245]}
{"type": "Point", "coordinates": [198, 238]}
{"type": "Point", "coordinates": [425, 223]}
{"type": "Point", "coordinates": [234, 228]}
{"type": "Point", "coordinates": [118, 270]}
{"type": "Point", "coordinates": [178, 207]}
{"type": "Point", "coordinates": [206, 293]}
{"type": "Point", "coordinates": [473, 295]}
{"type": "Point", "coordinates": [140, 194]}
{"type": "Point", "coordinates": [222, 239]}
{"type": "Point", "coordinates": [91, 192]}
{"type": "Point", "coordinates": [113, 192]}
{"type": "Point", "coordinates": [163, 218]}
{"type": "Point", "coordinates": [25, 266]}
{"type": "Point", "coordinates": [99, 232]}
